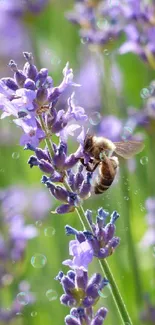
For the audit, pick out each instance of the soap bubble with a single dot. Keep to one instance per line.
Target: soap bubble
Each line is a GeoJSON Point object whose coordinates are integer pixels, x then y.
{"type": "Point", "coordinates": [144, 160]}
{"type": "Point", "coordinates": [23, 298]}
{"type": "Point", "coordinates": [15, 155]}
{"type": "Point", "coordinates": [51, 295]}
{"type": "Point", "coordinates": [49, 232]}
{"type": "Point", "coordinates": [38, 261]}
{"type": "Point", "coordinates": [95, 118]}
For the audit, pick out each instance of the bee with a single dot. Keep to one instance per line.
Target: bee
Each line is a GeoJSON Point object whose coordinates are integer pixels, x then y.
{"type": "Point", "coordinates": [101, 152]}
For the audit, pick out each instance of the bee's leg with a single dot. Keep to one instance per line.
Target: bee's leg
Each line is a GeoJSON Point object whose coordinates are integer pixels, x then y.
{"type": "Point", "coordinates": [92, 167]}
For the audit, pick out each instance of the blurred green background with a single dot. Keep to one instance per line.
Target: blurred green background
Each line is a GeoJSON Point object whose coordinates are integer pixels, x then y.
{"type": "Point", "coordinates": [54, 42]}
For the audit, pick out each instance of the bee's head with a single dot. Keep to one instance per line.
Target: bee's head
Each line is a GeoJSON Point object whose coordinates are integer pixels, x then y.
{"type": "Point", "coordinates": [88, 143]}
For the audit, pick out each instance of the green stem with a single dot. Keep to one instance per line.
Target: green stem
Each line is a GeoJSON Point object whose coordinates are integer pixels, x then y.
{"type": "Point", "coordinates": [131, 247]}
{"type": "Point", "coordinates": [103, 263]}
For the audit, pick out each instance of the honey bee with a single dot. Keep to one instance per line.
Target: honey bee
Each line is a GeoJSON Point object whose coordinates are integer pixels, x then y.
{"type": "Point", "coordinates": [101, 152]}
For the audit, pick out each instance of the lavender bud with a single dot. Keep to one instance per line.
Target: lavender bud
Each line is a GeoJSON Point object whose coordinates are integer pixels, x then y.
{"type": "Point", "coordinates": [67, 300]}
{"type": "Point", "coordinates": [41, 77]}
{"type": "Point", "coordinates": [30, 69]}
{"type": "Point", "coordinates": [45, 166]}
{"type": "Point", "coordinates": [41, 96]}
{"type": "Point", "coordinates": [10, 83]}
{"type": "Point", "coordinates": [29, 84]}
{"type": "Point", "coordinates": [19, 75]}
{"type": "Point", "coordinates": [33, 161]}
{"type": "Point", "coordinates": [71, 320]}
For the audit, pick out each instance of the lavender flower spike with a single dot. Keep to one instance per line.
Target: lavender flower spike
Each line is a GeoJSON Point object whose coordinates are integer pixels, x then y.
{"type": "Point", "coordinates": [80, 292]}
{"type": "Point", "coordinates": [30, 94]}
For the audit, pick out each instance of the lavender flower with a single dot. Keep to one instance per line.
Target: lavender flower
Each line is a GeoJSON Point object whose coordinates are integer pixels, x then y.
{"type": "Point", "coordinates": [101, 239]}
{"type": "Point", "coordinates": [148, 314]}
{"type": "Point", "coordinates": [20, 200]}
{"type": "Point", "coordinates": [30, 94]}
{"type": "Point", "coordinates": [95, 29]}
{"type": "Point", "coordinates": [81, 293]}
{"type": "Point", "coordinates": [23, 298]}
{"type": "Point", "coordinates": [148, 239]}
{"type": "Point", "coordinates": [140, 31]}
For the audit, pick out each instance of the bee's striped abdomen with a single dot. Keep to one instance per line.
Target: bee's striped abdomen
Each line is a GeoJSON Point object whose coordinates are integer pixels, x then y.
{"type": "Point", "coordinates": [107, 172]}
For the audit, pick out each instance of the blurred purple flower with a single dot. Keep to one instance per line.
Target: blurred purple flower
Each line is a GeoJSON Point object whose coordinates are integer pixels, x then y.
{"type": "Point", "coordinates": [34, 202]}
{"type": "Point", "coordinates": [148, 240]}
{"type": "Point", "coordinates": [111, 127]}
{"type": "Point", "coordinates": [148, 314]}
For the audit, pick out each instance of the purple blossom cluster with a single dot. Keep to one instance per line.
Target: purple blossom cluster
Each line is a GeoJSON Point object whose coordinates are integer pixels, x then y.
{"type": "Point", "coordinates": [148, 239]}
{"type": "Point", "coordinates": [17, 306]}
{"type": "Point", "coordinates": [20, 200]}
{"type": "Point", "coordinates": [134, 18]}
{"type": "Point", "coordinates": [81, 293]}
{"type": "Point", "coordinates": [31, 94]}
{"type": "Point", "coordinates": [148, 315]}
{"type": "Point", "coordinates": [32, 100]}
{"type": "Point", "coordinates": [13, 28]}
{"type": "Point", "coordinates": [101, 238]}
{"type": "Point", "coordinates": [94, 28]}
{"type": "Point", "coordinates": [14, 236]}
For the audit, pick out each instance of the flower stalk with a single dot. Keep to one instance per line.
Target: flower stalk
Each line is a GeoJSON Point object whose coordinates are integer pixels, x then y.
{"type": "Point", "coordinates": [103, 263]}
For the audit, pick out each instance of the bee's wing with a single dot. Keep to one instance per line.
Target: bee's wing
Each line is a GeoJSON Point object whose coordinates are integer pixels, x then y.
{"type": "Point", "coordinates": [128, 149]}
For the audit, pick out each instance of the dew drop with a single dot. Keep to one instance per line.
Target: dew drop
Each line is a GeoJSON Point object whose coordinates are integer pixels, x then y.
{"type": "Point", "coordinates": [102, 23]}
{"type": "Point", "coordinates": [38, 261]}
{"type": "Point", "coordinates": [127, 132]}
{"type": "Point", "coordinates": [23, 298]}
{"type": "Point", "coordinates": [55, 60]}
{"type": "Point", "coordinates": [51, 295]}
{"type": "Point", "coordinates": [33, 313]}
{"type": "Point", "coordinates": [95, 118]}
{"type": "Point", "coordinates": [38, 223]}
{"type": "Point", "coordinates": [126, 198]}
{"type": "Point", "coordinates": [106, 292]}
{"type": "Point", "coordinates": [15, 155]}
{"type": "Point", "coordinates": [19, 314]}
{"type": "Point", "coordinates": [145, 93]}
{"type": "Point", "coordinates": [49, 232]}
{"type": "Point", "coordinates": [106, 52]}
{"type": "Point", "coordinates": [84, 40]}
{"type": "Point", "coordinates": [144, 160]}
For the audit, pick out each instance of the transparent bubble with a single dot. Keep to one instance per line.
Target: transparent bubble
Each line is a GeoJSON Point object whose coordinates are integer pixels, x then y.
{"type": "Point", "coordinates": [23, 298]}
{"type": "Point", "coordinates": [102, 23]}
{"type": "Point", "coordinates": [127, 132]}
{"type": "Point", "coordinates": [7, 279]}
{"type": "Point", "coordinates": [144, 160]}
{"type": "Point", "coordinates": [126, 198]}
{"type": "Point", "coordinates": [51, 295]}
{"type": "Point", "coordinates": [34, 313]}
{"type": "Point", "coordinates": [19, 314]}
{"type": "Point", "coordinates": [142, 208]}
{"type": "Point", "coordinates": [38, 223]}
{"type": "Point", "coordinates": [113, 3]}
{"type": "Point", "coordinates": [145, 93]}
{"type": "Point", "coordinates": [84, 40]}
{"type": "Point", "coordinates": [106, 52]}
{"type": "Point", "coordinates": [95, 118]}
{"type": "Point", "coordinates": [38, 261]}
{"type": "Point", "coordinates": [55, 59]}
{"type": "Point", "coordinates": [15, 155]}
{"type": "Point", "coordinates": [49, 232]}
{"type": "Point", "coordinates": [106, 292]}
